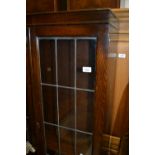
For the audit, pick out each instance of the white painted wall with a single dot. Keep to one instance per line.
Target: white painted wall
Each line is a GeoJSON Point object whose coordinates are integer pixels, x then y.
{"type": "Point", "coordinates": [124, 4]}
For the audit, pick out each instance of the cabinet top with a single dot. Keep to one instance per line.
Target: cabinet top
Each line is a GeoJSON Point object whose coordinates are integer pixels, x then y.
{"type": "Point", "coordinates": [97, 16]}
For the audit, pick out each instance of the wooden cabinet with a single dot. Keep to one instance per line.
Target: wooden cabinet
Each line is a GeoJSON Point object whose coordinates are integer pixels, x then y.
{"type": "Point", "coordinates": [70, 70]}
{"type": "Point", "coordinates": [99, 106]}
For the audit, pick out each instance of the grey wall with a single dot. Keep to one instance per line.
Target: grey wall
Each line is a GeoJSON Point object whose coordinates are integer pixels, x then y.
{"type": "Point", "coordinates": [124, 4]}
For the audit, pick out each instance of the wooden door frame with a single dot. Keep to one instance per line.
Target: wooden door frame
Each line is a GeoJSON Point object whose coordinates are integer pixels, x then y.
{"type": "Point", "coordinates": [73, 30]}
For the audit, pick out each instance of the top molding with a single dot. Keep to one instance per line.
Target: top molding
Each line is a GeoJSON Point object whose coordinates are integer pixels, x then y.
{"type": "Point", "coordinates": [97, 16]}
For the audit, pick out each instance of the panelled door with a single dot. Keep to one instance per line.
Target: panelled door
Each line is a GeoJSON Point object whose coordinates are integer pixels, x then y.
{"type": "Point", "coordinates": [64, 82]}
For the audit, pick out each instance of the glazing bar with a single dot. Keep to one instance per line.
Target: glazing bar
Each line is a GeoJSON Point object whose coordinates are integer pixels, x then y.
{"type": "Point", "coordinates": [57, 95]}
{"type": "Point", "coordinates": [67, 128]}
{"type": "Point", "coordinates": [66, 87]}
{"type": "Point", "coordinates": [75, 51]}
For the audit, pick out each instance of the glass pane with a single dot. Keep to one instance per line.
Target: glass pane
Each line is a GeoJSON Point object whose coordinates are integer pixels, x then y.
{"type": "Point", "coordinates": [50, 152]}
{"type": "Point", "coordinates": [62, 66]}
{"type": "Point", "coordinates": [47, 61]}
{"type": "Point", "coordinates": [85, 110]}
{"type": "Point", "coordinates": [86, 52]}
{"type": "Point", "coordinates": [67, 141]}
{"type": "Point", "coordinates": [49, 104]}
{"type": "Point", "coordinates": [65, 62]}
{"type": "Point", "coordinates": [84, 144]}
{"type": "Point", "coordinates": [51, 134]}
{"type": "Point", "coordinates": [66, 107]}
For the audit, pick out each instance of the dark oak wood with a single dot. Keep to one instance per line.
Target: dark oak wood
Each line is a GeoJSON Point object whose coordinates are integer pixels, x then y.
{"type": "Point", "coordinates": [72, 24]}
{"type": "Point", "coordinates": [100, 94]}
{"type": "Point", "coordinates": [30, 119]}
{"type": "Point", "coordinates": [114, 125]}
{"type": "Point", "coordinates": [62, 5]}
{"type": "Point", "coordinates": [28, 91]}
{"type": "Point", "coordinates": [33, 6]}
{"type": "Point", "coordinates": [100, 16]}
{"type": "Point", "coordinates": [37, 107]}
{"type": "Point", "coordinates": [39, 5]}
{"type": "Point", "coordinates": [91, 4]}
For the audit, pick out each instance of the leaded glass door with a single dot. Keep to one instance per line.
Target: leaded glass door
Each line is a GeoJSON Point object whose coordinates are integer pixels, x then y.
{"type": "Point", "coordinates": [67, 71]}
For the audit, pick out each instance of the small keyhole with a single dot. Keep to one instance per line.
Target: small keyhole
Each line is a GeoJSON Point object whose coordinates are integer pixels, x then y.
{"type": "Point", "coordinates": [49, 69]}
{"type": "Point", "coordinates": [38, 125]}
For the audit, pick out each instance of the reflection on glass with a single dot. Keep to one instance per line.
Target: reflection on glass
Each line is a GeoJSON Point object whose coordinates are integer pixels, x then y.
{"type": "Point", "coordinates": [49, 104]}
{"type": "Point", "coordinates": [65, 58]}
{"type": "Point", "coordinates": [50, 152]}
{"type": "Point", "coordinates": [85, 111]}
{"type": "Point", "coordinates": [51, 134]}
{"type": "Point", "coordinates": [67, 141]}
{"type": "Point", "coordinates": [84, 144]}
{"type": "Point", "coordinates": [66, 107]}
{"type": "Point", "coordinates": [47, 61]}
{"type": "Point", "coordinates": [57, 60]}
{"type": "Point", "coordinates": [86, 58]}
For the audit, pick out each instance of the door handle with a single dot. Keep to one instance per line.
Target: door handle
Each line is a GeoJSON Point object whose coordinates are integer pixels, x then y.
{"type": "Point", "coordinates": [29, 148]}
